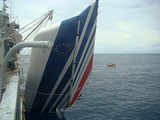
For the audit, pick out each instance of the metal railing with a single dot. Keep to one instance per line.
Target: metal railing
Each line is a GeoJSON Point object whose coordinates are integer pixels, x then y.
{"type": "Point", "coordinates": [12, 52]}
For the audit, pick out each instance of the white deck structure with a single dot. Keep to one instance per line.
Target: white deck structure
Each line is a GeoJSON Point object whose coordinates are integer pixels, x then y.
{"type": "Point", "coordinates": [8, 104]}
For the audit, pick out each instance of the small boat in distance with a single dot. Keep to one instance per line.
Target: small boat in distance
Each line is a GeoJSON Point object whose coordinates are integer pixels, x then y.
{"type": "Point", "coordinates": [111, 65]}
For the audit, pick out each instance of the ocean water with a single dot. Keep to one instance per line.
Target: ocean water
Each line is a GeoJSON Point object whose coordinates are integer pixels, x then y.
{"type": "Point", "coordinates": [129, 91]}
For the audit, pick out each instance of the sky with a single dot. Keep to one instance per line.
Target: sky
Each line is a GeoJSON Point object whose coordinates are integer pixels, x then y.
{"type": "Point", "coordinates": [124, 26]}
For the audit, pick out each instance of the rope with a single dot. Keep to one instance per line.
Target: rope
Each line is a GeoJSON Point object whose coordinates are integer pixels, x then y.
{"type": "Point", "coordinates": [49, 14]}
{"type": "Point", "coordinates": [31, 22]}
{"type": "Point", "coordinates": [25, 30]}
{"type": "Point", "coordinates": [36, 27]}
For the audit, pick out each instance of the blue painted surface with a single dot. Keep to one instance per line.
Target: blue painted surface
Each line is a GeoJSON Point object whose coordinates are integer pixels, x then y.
{"type": "Point", "coordinates": [63, 46]}
{"type": "Point", "coordinates": [37, 116]}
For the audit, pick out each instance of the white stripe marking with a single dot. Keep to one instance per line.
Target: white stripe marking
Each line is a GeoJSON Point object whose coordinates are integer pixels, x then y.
{"type": "Point", "coordinates": [59, 79]}
{"type": "Point", "coordinates": [87, 64]}
{"type": "Point", "coordinates": [83, 68]}
{"type": "Point", "coordinates": [63, 101]}
{"type": "Point", "coordinates": [69, 61]}
{"type": "Point", "coordinates": [65, 88]}
{"type": "Point", "coordinates": [84, 51]}
{"type": "Point", "coordinates": [67, 94]}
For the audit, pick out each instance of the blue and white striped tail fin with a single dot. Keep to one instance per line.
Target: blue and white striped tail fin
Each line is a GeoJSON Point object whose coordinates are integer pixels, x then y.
{"type": "Point", "coordinates": [57, 75]}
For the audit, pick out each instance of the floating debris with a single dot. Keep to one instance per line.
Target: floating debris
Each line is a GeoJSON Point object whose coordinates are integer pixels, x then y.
{"type": "Point", "coordinates": [111, 65]}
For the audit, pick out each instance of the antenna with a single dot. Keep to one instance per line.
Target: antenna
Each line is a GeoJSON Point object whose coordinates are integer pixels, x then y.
{"type": "Point", "coordinates": [4, 5]}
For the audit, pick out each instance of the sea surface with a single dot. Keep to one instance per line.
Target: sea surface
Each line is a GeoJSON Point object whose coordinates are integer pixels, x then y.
{"type": "Point", "coordinates": [128, 91]}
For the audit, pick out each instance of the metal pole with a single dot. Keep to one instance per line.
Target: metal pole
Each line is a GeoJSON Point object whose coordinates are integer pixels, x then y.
{"type": "Point", "coordinates": [12, 52]}
{"type": "Point", "coordinates": [4, 6]}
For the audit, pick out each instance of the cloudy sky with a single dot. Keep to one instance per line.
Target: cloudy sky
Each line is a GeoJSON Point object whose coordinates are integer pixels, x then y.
{"type": "Point", "coordinates": [124, 26]}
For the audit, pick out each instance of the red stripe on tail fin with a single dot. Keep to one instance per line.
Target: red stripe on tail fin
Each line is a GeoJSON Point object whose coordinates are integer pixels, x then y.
{"type": "Point", "coordinates": [83, 80]}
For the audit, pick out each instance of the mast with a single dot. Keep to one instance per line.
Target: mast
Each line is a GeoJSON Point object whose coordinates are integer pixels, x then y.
{"type": "Point", "coordinates": [4, 21]}
{"type": "Point", "coordinates": [4, 18]}
{"type": "Point", "coordinates": [4, 5]}
{"type": "Point", "coordinates": [9, 37]}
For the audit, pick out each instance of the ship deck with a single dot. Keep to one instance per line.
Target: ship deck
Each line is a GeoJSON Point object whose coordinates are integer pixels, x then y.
{"type": "Point", "coordinates": [8, 104]}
